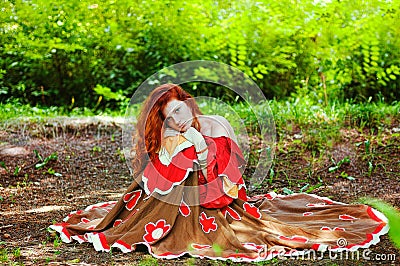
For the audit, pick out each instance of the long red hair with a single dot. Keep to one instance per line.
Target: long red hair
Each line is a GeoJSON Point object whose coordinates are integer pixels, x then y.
{"type": "Point", "coordinates": [151, 119]}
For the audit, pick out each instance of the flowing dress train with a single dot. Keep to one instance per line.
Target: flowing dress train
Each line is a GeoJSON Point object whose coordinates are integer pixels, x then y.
{"type": "Point", "coordinates": [174, 210]}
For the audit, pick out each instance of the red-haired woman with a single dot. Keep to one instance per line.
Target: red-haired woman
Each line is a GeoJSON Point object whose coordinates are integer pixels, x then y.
{"type": "Point", "coordinates": [189, 197]}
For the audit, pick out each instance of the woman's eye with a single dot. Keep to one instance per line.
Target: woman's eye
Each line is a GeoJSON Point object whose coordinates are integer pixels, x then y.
{"type": "Point", "coordinates": [177, 110]}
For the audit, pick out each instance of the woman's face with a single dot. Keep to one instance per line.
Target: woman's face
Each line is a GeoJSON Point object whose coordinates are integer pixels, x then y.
{"type": "Point", "coordinates": [178, 115]}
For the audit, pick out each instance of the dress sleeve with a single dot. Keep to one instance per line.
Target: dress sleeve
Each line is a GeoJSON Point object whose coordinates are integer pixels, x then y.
{"type": "Point", "coordinates": [162, 178]}
{"type": "Point", "coordinates": [224, 177]}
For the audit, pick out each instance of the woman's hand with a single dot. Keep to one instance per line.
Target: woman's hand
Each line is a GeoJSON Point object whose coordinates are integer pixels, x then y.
{"type": "Point", "coordinates": [170, 132]}
{"type": "Point", "coordinates": [196, 138]}
{"type": "Point", "coordinates": [200, 145]}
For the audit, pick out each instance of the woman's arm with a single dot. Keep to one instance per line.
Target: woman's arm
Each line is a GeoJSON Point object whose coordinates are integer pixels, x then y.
{"type": "Point", "coordinates": [201, 148]}
{"type": "Point", "coordinates": [222, 127]}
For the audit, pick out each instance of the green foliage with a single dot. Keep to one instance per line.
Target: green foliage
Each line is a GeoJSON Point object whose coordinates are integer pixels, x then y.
{"type": "Point", "coordinates": [57, 242]}
{"type": "Point", "coordinates": [43, 162]}
{"type": "Point", "coordinates": [69, 53]}
{"type": "Point", "coordinates": [16, 110]}
{"type": "Point", "coordinates": [391, 213]}
{"type": "Point", "coordinates": [345, 160]}
{"type": "Point", "coordinates": [11, 257]}
{"type": "Point", "coordinates": [118, 97]}
{"type": "Point", "coordinates": [148, 261]}
{"type": "Point", "coordinates": [63, 50]}
{"type": "Point", "coordinates": [3, 165]}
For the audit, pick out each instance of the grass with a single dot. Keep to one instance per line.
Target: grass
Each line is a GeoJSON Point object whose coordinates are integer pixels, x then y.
{"type": "Point", "coordinates": [10, 256]}
{"type": "Point", "coordinates": [148, 260]}
{"type": "Point", "coordinates": [309, 125]}
{"type": "Point", "coordinates": [15, 110]}
{"type": "Point", "coordinates": [287, 114]}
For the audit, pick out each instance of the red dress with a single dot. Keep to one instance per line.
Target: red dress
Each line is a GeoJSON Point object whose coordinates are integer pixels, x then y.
{"type": "Point", "coordinates": [174, 210]}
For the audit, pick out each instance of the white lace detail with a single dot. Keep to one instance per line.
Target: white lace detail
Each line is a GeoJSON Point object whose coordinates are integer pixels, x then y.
{"type": "Point", "coordinates": [166, 158]}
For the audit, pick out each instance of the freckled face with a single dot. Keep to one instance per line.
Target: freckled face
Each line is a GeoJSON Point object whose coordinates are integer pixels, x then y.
{"type": "Point", "coordinates": [178, 115]}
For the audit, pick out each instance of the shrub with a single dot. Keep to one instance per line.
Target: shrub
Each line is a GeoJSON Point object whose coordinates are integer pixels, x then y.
{"type": "Point", "coordinates": [56, 53]}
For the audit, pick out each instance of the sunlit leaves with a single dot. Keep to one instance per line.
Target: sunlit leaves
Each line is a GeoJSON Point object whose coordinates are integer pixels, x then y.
{"type": "Point", "coordinates": [57, 51]}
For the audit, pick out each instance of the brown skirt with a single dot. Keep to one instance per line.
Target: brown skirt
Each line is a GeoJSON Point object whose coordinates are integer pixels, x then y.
{"type": "Point", "coordinates": [263, 227]}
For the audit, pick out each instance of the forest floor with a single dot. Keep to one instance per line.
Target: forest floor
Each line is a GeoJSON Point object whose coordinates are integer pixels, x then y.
{"type": "Point", "coordinates": [88, 166]}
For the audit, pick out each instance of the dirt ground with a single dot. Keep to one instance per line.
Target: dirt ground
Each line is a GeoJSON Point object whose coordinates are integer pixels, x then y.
{"type": "Point", "coordinates": [90, 168]}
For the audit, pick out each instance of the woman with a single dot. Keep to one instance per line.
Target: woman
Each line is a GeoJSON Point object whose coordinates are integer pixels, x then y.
{"type": "Point", "coordinates": [189, 197]}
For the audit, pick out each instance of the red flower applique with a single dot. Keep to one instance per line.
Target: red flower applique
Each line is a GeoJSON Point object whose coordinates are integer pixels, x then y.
{"type": "Point", "coordinates": [132, 199]}
{"type": "Point", "coordinates": [346, 217]}
{"type": "Point", "coordinates": [316, 204]}
{"type": "Point", "coordinates": [328, 201]}
{"type": "Point", "coordinates": [300, 239]}
{"type": "Point", "coordinates": [231, 212]}
{"type": "Point", "coordinates": [155, 231]}
{"type": "Point", "coordinates": [339, 229]}
{"type": "Point", "coordinates": [117, 222]}
{"type": "Point", "coordinates": [184, 209]}
{"type": "Point", "coordinates": [252, 210]}
{"type": "Point", "coordinates": [107, 206]}
{"type": "Point", "coordinates": [79, 212]}
{"type": "Point", "coordinates": [270, 195]}
{"type": "Point", "coordinates": [207, 223]}
{"type": "Point", "coordinates": [200, 246]}
{"type": "Point", "coordinates": [85, 220]}
{"type": "Point", "coordinates": [327, 228]}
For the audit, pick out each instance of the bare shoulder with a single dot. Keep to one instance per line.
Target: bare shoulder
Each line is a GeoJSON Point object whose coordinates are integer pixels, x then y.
{"type": "Point", "coordinates": [220, 121]}
{"type": "Point", "coordinates": [212, 121]}
{"type": "Point", "coordinates": [216, 126]}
